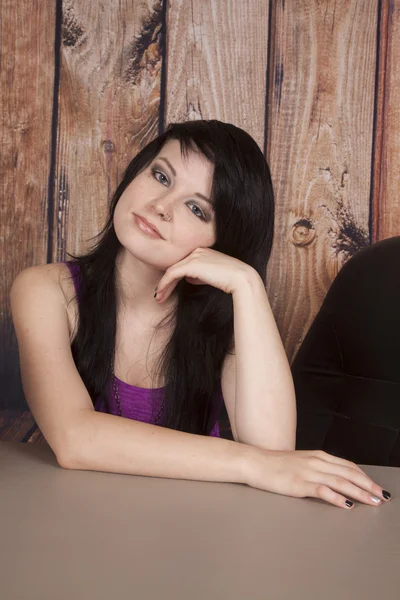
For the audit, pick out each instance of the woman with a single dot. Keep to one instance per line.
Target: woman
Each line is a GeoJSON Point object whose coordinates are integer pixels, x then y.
{"type": "Point", "coordinates": [168, 318]}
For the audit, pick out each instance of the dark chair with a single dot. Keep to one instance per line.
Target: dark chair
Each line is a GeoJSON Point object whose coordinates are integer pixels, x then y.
{"type": "Point", "coordinates": [347, 370]}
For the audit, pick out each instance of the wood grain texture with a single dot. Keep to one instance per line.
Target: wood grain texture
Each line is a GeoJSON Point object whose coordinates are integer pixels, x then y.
{"type": "Point", "coordinates": [216, 62]}
{"type": "Point", "coordinates": [19, 426]}
{"type": "Point", "coordinates": [26, 97]}
{"type": "Point", "coordinates": [320, 130]}
{"type": "Point", "coordinates": [386, 167]}
{"type": "Point", "coordinates": [108, 109]}
{"type": "Point", "coordinates": [15, 425]}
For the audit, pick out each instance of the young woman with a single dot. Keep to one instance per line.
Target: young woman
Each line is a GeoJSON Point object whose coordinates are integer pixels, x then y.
{"type": "Point", "coordinates": [128, 351]}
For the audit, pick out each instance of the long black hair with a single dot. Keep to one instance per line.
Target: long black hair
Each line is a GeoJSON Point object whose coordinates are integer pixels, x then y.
{"type": "Point", "coordinates": [192, 360]}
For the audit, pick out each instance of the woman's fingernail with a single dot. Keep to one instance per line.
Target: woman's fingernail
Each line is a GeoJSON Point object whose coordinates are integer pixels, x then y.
{"type": "Point", "coordinates": [155, 295]}
{"type": "Point", "coordinates": [375, 499]}
{"type": "Point", "coordinates": [349, 503]}
{"type": "Point", "coordinates": [386, 495]}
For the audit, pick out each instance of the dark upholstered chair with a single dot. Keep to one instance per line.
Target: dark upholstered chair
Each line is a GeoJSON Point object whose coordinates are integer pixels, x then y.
{"type": "Point", "coordinates": [347, 370]}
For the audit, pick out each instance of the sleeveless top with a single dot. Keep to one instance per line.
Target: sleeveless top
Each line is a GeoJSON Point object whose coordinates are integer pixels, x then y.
{"type": "Point", "coordinates": [139, 404]}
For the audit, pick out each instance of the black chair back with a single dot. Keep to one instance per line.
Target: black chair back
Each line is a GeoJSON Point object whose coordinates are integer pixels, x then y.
{"type": "Point", "coordinates": [347, 370]}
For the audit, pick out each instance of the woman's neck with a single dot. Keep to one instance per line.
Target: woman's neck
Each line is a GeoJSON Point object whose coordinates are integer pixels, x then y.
{"type": "Point", "coordinates": [135, 286]}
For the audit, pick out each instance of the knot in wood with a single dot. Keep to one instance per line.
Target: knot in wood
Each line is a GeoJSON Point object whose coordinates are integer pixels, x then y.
{"type": "Point", "coordinates": [108, 146]}
{"type": "Point", "coordinates": [302, 233]}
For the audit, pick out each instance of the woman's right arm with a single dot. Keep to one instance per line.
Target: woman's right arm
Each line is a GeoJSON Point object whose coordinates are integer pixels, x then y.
{"type": "Point", "coordinates": [82, 438]}
{"type": "Point", "coordinates": [79, 436]}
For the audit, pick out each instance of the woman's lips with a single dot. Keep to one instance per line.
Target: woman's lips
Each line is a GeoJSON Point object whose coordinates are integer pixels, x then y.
{"type": "Point", "coordinates": [144, 228]}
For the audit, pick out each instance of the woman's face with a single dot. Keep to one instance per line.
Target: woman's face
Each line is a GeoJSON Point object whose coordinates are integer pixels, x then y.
{"type": "Point", "coordinates": [171, 194]}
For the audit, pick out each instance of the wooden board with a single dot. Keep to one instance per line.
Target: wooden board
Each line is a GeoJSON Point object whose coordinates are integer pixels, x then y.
{"type": "Point", "coordinates": [216, 62]}
{"type": "Point", "coordinates": [108, 109]}
{"type": "Point", "coordinates": [385, 216]}
{"type": "Point", "coordinates": [320, 130]}
{"type": "Point", "coordinates": [19, 426]}
{"type": "Point", "coordinates": [26, 102]}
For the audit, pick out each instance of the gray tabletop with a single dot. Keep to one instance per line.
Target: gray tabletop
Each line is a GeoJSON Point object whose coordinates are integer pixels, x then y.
{"type": "Point", "coordinates": [82, 535]}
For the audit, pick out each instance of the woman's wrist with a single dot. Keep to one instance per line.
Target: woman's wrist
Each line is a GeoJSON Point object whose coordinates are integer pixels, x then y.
{"type": "Point", "coordinates": [247, 279]}
{"type": "Point", "coordinates": [246, 462]}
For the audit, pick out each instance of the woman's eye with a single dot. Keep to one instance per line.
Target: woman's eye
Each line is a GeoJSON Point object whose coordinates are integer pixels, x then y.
{"type": "Point", "coordinates": [159, 175]}
{"type": "Point", "coordinates": [198, 214]}
{"type": "Point", "coordinates": [163, 179]}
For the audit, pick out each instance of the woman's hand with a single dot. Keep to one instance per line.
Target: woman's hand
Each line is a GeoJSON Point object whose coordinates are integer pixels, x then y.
{"type": "Point", "coordinates": [310, 473]}
{"type": "Point", "coordinates": [204, 266]}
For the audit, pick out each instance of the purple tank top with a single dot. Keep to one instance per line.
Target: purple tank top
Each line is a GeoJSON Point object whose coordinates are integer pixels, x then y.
{"type": "Point", "coordinates": [140, 404]}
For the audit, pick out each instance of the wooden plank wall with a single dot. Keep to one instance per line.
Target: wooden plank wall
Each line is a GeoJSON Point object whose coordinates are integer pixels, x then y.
{"type": "Point", "coordinates": [85, 85]}
{"type": "Point", "coordinates": [320, 129]}
{"type": "Point", "coordinates": [26, 103]}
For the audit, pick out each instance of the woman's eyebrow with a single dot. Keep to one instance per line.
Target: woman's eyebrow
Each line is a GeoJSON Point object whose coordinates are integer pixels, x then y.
{"type": "Point", "coordinates": [169, 164]}
{"type": "Point", "coordinates": [174, 174]}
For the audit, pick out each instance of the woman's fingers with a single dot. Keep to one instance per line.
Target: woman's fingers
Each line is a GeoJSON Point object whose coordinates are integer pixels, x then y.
{"type": "Point", "coordinates": [167, 290]}
{"type": "Point", "coordinates": [346, 480]}
{"type": "Point", "coordinates": [329, 458]}
{"type": "Point", "coordinates": [351, 490]}
{"type": "Point", "coordinates": [324, 492]}
{"type": "Point", "coordinates": [312, 474]}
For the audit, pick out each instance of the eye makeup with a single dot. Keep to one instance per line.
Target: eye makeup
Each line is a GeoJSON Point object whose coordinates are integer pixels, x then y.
{"type": "Point", "coordinates": [161, 177]}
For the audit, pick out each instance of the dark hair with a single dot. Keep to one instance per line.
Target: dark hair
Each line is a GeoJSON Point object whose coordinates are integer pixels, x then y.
{"type": "Point", "coordinates": [193, 357]}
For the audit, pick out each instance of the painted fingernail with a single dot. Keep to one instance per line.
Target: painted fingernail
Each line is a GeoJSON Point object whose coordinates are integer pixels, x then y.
{"type": "Point", "coordinates": [155, 295]}
{"type": "Point", "coordinates": [386, 495]}
{"type": "Point", "coordinates": [375, 499]}
{"type": "Point", "coordinates": [349, 503]}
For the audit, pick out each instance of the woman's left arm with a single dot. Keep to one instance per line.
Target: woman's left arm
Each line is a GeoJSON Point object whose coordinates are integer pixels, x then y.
{"type": "Point", "coordinates": [262, 392]}
{"type": "Point", "coordinates": [256, 382]}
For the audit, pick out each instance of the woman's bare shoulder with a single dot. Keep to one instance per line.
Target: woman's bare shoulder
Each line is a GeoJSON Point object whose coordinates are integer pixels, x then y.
{"type": "Point", "coordinates": [55, 275]}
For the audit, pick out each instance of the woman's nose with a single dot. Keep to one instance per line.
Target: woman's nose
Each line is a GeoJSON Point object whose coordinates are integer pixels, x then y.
{"type": "Point", "coordinates": [163, 206]}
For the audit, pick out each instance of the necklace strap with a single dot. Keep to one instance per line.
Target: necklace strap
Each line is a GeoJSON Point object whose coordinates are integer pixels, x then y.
{"type": "Point", "coordinates": [117, 396]}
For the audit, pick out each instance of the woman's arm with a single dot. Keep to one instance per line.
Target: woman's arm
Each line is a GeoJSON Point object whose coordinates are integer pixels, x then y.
{"type": "Point", "coordinates": [60, 403]}
{"type": "Point", "coordinates": [84, 439]}
{"type": "Point", "coordinates": [103, 442]}
{"type": "Point", "coordinates": [258, 388]}
{"type": "Point", "coordinates": [264, 398]}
